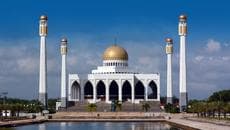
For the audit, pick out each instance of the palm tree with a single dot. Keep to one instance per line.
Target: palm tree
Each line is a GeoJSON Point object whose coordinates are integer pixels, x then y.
{"type": "Point", "coordinates": [19, 107]}
{"type": "Point", "coordinates": [220, 108]}
{"type": "Point", "coordinates": [212, 108]}
{"type": "Point", "coordinates": [12, 109]}
{"type": "Point", "coordinates": [118, 104]}
{"type": "Point", "coordinates": [92, 107]}
{"type": "Point", "coordinates": [199, 108]}
{"type": "Point", "coordinates": [145, 106]}
{"type": "Point", "coordinates": [1, 108]}
{"type": "Point", "coordinates": [225, 109]}
{"type": "Point", "coordinates": [5, 108]}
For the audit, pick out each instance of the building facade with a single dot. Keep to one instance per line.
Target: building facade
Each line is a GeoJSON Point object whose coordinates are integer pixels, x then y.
{"type": "Point", "coordinates": [114, 81]}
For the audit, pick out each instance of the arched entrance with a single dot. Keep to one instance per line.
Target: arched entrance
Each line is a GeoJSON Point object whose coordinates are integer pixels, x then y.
{"type": "Point", "coordinates": [152, 90]}
{"type": "Point", "coordinates": [101, 90]}
{"type": "Point", "coordinates": [139, 90]}
{"type": "Point", "coordinates": [126, 91]}
{"type": "Point", "coordinates": [88, 90]}
{"type": "Point", "coordinates": [75, 91]}
{"type": "Point", "coordinates": [113, 91]}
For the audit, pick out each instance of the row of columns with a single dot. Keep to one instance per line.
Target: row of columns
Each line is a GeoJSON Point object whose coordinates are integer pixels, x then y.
{"type": "Point", "coordinates": [119, 87]}
{"type": "Point", "coordinates": [107, 86]}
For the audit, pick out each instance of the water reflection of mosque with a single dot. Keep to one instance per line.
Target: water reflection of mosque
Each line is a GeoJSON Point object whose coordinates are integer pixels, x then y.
{"type": "Point", "coordinates": [108, 125]}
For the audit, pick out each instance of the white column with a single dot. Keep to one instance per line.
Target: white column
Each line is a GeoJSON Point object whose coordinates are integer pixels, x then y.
{"type": "Point", "coordinates": [107, 92]}
{"type": "Point", "coordinates": [169, 78]}
{"type": "Point", "coordinates": [43, 65]}
{"type": "Point", "coordinates": [158, 88]}
{"type": "Point", "coordinates": [43, 69]}
{"type": "Point", "coordinates": [146, 92]}
{"type": "Point", "coordinates": [94, 92]}
{"type": "Point", "coordinates": [133, 95]}
{"type": "Point", "coordinates": [169, 51]}
{"type": "Point", "coordinates": [82, 90]}
{"type": "Point", "coordinates": [69, 90]}
{"type": "Point", "coordinates": [42, 76]}
{"type": "Point", "coordinates": [63, 50]}
{"type": "Point", "coordinates": [182, 77]}
{"type": "Point", "coordinates": [63, 80]}
{"type": "Point", "coordinates": [182, 65]}
{"type": "Point", "coordinates": [63, 76]}
{"type": "Point", "coordinates": [120, 91]}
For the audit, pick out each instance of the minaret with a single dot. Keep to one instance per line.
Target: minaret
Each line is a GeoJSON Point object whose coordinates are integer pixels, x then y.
{"type": "Point", "coordinates": [63, 50]}
{"type": "Point", "coordinates": [43, 66]}
{"type": "Point", "coordinates": [169, 51]}
{"type": "Point", "coordinates": [182, 30]}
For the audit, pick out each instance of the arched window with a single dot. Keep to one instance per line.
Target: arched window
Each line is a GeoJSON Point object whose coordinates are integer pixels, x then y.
{"type": "Point", "coordinates": [100, 90]}
{"type": "Point", "coordinates": [139, 90]}
{"type": "Point", "coordinates": [126, 91]}
{"type": "Point", "coordinates": [113, 91]}
{"type": "Point", "coordinates": [88, 90]}
{"type": "Point", "coordinates": [75, 90]}
{"type": "Point", "coordinates": [152, 90]}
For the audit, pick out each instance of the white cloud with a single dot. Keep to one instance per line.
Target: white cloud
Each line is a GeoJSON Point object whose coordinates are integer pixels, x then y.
{"type": "Point", "coordinates": [145, 60]}
{"type": "Point", "coordinates": [208, 72]}
{"type": "Point", "coordinates": [27, 65]}
{"type": "Point", "coordinates": [199, 58]}
{"type": "Point", "coordinates": [226, 44]}
{"type": "Point", "coordinates": [225, 58]}
{"type": "Point", "coordinates": [213, 46]}
{"type": "Point", "coordinates": [71, 60]}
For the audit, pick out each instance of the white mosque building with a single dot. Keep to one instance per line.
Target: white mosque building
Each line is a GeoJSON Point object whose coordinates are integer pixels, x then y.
{"type": "Point", "coordinates": [114, 81]}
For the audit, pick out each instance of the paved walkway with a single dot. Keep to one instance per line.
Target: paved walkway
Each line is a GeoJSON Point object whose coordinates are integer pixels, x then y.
{"type": "Point", "coordinates": [20, 122]}
{"type": "Point", "coordinates": [177, 119]}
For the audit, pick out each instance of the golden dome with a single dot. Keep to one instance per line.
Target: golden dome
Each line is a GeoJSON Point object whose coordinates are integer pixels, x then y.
{"type": "Point", "coordinates": [115, 52]}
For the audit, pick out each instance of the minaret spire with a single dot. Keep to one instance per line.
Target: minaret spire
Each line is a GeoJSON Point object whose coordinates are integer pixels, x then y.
{"type": "Point", "coordinates": [43, 61]}
{"type": "Point", "coordinates": [63, 50]}
{"type": "Point", "coordinates": [182, 30]}
{"type": "Point", "coordinates": [169, 51]}
{"type": "Point", "coordinates": [115, 41]}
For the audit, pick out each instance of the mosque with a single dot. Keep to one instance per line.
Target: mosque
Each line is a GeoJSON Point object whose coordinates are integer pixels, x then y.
{"type": "Point", "coordinates": [113, 80]}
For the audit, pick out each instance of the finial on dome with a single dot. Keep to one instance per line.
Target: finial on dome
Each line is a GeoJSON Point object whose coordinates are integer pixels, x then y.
{"type": "Point", "coordinates": [182, 17]}
{"type": "Point", "coordinates": [43, 17]}
{"type": "Point", "coordinates": [64, 39]}
{"type": "Point", "coordinates": [169, 40]}
{"type": "Point", "coordinates": [115, 41]}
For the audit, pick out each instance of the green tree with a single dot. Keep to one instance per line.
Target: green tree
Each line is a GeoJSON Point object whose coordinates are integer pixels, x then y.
{"type": "Point", "coordinates": [212, 107]}
{"type": "Point", "coordinates": [170, 108]}
{"type": "Point", "coordinates": [12, 108]}
{"type": "Point", "coordinates": [164, 99]}
{"type": "Point", "coordinates": [223, 96]}
{"type": "Point", "coordinates": [118, 105]}
{"type": "Point", "coordinates": [145, 106]}
{"type": "Point", "coordinates": [5, 108]}
{"type": "Point", "coordinates": [92, 107]}
{"type": "Point", "coordinates": [1, 109]}
{"type": "Point", "coordinates": [226, 109]}
{"type": "Point", "coordinates": [52, 105]}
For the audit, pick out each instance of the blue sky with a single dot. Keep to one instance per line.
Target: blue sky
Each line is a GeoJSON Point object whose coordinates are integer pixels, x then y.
{"type": "Point", "coordinates": [140, 27]}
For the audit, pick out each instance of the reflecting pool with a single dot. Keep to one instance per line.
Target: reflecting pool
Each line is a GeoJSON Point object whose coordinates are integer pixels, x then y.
{"type": "Point", "coordinates": [96, 126]}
